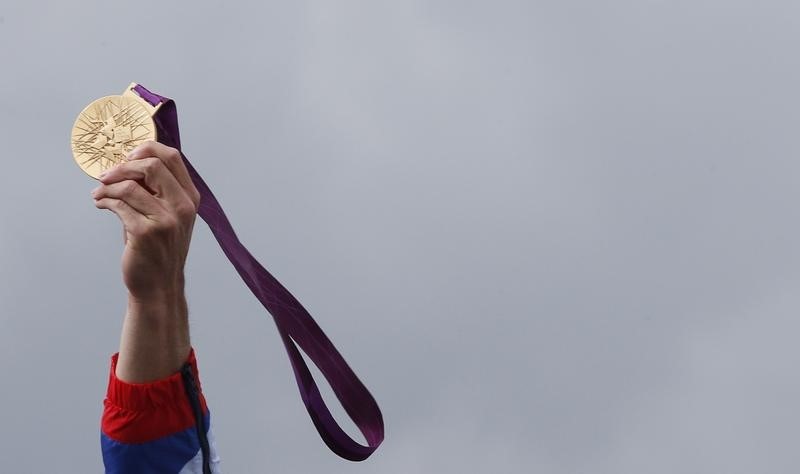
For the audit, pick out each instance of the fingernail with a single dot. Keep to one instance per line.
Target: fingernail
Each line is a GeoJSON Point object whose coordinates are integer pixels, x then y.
{"type": "Point", "coordinates": [102, 175]}
{"type": "Point", "coordinates": [95, 190]}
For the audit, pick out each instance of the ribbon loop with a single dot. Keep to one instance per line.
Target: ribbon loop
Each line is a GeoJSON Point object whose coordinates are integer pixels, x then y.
{"type": "Point", "coordinates": [295, 325]}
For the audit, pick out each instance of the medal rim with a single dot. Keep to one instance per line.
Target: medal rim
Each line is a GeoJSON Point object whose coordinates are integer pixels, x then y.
{"type": "Point", "coordinates": [102, 100]}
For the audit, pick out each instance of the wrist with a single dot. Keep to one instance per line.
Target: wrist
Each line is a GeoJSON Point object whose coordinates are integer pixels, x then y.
{"type": "Point", "coordinates": [163, 296]}
{"type": "Point", "coordinates": [164, 305]}
{"type": "Point", "coordinates": [149, 290]}
{"type": "Point", "coordinates": [155, 336]}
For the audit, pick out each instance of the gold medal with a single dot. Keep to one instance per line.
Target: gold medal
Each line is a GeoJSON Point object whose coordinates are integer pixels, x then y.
{"type": "Point", "coordinates": [109, 128]}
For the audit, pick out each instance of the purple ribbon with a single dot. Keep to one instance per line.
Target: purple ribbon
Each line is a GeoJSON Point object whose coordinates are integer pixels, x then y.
{"type": "Point", "coordinates": [295, 324]}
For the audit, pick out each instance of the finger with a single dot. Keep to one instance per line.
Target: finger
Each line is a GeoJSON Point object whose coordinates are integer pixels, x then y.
{"type": "Point", "coordinates": [174, 162]}
{"type": "Point", "coordinates": [154, 174]}
{"type": "Point", "coordinates": [131, 219]}
{"type": "Point", "coordinates": [133, 194]}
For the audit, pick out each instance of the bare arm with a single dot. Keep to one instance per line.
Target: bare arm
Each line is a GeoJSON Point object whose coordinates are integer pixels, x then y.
{"type": "Point", "coordinates": [154, 197]}
{"type": "Point", "coordinates": [155, 417]}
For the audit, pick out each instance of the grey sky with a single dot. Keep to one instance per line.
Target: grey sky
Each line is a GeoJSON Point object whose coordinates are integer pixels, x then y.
{"type": "Point", "coordinates": [553, 237]}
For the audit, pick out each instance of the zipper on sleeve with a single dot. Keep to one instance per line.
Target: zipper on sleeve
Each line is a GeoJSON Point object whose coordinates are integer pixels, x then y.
{"type": "Point", "coordinates": [190, 384]}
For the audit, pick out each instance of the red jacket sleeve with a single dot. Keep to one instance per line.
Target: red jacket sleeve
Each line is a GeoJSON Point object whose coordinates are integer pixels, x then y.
{"type": "Point", "coordinates": [158, 427]}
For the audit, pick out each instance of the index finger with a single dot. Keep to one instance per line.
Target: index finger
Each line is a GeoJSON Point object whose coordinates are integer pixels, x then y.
{"type": "Point", "coordinates": [172, 159]}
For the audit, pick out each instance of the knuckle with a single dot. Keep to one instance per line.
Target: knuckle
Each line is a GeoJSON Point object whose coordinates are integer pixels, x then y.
{"type": "Point", "coordinates": [145, 149]}
{"type": "Point", "coordinates": [152, 165]}
{"type": "Point", "coordinates": [129, 187]}
{"type": "Point", "coordinates": [148, 163]}
{"type": "Point", "coordinates": [196, 199]}
{"type": "Point", "coordinates": [185, 210]}
{"type": "Point", "coordinates": [148, 146]}
{"type": "Point", "coordinates": [173, 155]}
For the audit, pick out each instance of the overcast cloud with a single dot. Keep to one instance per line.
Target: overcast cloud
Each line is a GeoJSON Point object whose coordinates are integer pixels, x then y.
{"type": "Point", "coordinates": [556, 237]}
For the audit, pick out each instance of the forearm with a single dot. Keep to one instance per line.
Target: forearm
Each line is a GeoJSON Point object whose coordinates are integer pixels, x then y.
{"type": "Point", "coordinates": [155, 337]}
{"type": "Point", "coordinates": [155, 417]}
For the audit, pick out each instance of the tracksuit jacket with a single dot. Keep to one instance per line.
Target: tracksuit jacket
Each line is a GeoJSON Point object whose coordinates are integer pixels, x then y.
{"type": "Point", "coordinates": [162, 427]}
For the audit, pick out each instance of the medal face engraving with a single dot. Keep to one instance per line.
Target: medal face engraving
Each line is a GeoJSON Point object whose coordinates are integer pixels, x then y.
{"type": "Point", "coordinates": [107, 130]}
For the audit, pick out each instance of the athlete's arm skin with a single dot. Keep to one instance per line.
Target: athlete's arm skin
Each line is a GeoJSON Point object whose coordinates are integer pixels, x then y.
{"type": "Point", "coordinates": [153, 196]}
